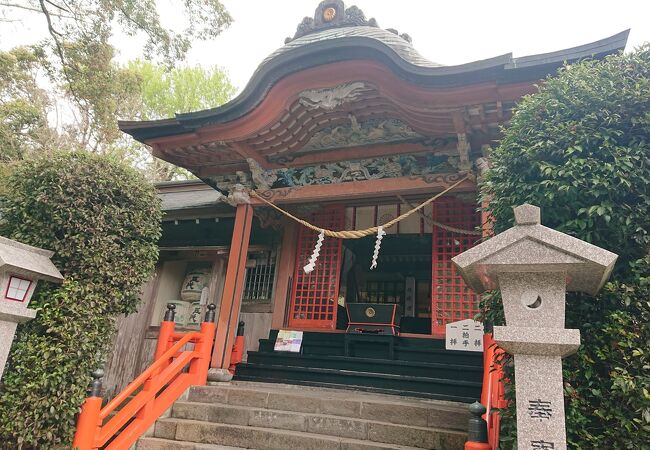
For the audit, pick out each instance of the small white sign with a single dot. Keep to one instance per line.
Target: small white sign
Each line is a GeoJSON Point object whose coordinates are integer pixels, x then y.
{"type": "Point", "coordinates": [465, 335]}
{"type": "Point", "coordinates": [288, 341]}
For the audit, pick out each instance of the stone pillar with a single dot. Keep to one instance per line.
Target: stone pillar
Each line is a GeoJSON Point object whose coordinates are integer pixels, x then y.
{"type": "Point", "coordinates": [10, 317]}
{"type": "Point", "coordinates": [534, 266]}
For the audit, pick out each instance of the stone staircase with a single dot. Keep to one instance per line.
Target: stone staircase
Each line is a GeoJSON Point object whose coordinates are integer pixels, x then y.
{"type": "Point", "coordinates": [420, 367]}
{"type": "Point", "coordinates": [265, 416]}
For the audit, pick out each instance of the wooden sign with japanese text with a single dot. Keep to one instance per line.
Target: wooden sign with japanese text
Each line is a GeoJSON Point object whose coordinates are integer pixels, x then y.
{"type": "Point", "coordinates": [465, 335]}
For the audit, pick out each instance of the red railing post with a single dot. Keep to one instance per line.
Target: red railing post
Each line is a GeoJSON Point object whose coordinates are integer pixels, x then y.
{"type": "Point", "coordinates": [166, 331]}
{"type": "Point", "coordinates": [493, 393]}
{"type": "Point", "coordinates": [477, 432]}
{"type": "Point", "coordinates": [199, 366]}
{"type": "Point", "coordinates": [163, 382]}
{"type": "Point", "coordinates": [165, 340]}
{"type": "Point", "coordinates": [238, 349]}
{"type": "Point", "coordinates": [89, 422]}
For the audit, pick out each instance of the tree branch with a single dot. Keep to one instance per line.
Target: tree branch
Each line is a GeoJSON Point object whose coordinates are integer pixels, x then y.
{"type": "Point", "coordinates": [59, 51]}
{"type": "Point", "coordinates": [27, 8]}
{"type": "Point", "coordinates": [58, 6]}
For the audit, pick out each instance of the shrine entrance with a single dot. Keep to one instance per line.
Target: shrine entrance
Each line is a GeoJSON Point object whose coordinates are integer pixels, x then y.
{"type": "Point", "coordinates": [414, 268]}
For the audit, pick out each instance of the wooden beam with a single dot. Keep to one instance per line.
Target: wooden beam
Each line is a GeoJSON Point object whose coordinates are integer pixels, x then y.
{"type": "Point", "coordinates": [245, 151]}
{"type": "Point", "coordinates": [354, 190]}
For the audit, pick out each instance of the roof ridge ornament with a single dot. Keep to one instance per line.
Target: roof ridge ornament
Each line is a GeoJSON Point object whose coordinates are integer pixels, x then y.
{"type": "Point", "coordinates": [333, 14]}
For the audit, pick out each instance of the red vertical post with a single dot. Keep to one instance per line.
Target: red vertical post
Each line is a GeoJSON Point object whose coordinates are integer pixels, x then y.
{"type": "Point", "coordinates": [164, 340]}
{"type": "Point", "coordinates": [165, 333]}
{"type": "Point", "coordinates": [88, 422]}
{"type": "Point", "coordinates": [199, 367]}
{"type": "Point", "coordinates": [233, 288]}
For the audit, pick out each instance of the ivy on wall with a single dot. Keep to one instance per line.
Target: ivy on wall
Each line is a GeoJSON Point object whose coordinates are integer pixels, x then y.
{"type": "Point", "coordinates": [102, 220]}
{"type": "Point", "coordinates": [580, 149]}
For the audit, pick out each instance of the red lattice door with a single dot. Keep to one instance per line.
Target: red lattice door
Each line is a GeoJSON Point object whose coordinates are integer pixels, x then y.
{"type": "Point", "coordinates": [314, 297]}
{"type": "Point", "coordinates": [451, 299]}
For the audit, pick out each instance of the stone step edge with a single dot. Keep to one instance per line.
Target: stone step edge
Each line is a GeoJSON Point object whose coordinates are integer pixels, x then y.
{"type": "Point", "coordinates": [352, 373]}
{"type": "Point", "coordinates": [195, 445]}
{"type": "Point", "coordinates": [398, 393]}
{"type": "Point", "coordinates": [396, 362]}
{"type": "Point", "coordinates": [306, 415]}
{"type": "Point", "coordinates": [333, 394]}
{"type": "Point", "coordinates": [299, 433]}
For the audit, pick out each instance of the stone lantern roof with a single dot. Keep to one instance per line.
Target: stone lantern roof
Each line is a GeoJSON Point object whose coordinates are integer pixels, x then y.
{"type": "Point", "coordinates": [532, 247]}
{"type": "Point", "coordinates": [25, 259]}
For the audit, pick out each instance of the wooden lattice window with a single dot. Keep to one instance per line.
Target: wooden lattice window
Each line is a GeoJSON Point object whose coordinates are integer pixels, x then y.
{"type": "Point", "coordinates": [314, 296]}
{"type": "Point", "coordinates": [451, 299]}
{"type": "Point", "coordinates": [258, 286]}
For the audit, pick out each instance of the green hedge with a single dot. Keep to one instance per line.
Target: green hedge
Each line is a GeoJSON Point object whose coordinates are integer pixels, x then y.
{"type": "Point", "coordinates": [102, 220]}
{"type": "Point", "coordinates": [580, 149]}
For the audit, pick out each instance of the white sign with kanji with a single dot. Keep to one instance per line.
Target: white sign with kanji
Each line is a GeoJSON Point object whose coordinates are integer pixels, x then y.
{"type": "Point", "coordinates": [465, 335]}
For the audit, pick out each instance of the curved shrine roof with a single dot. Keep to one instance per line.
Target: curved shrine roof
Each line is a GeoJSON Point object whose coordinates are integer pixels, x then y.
{"type": "Point", "coordinates": [398, 44]}
{"type": "Point", "coordinates": [350, 36]}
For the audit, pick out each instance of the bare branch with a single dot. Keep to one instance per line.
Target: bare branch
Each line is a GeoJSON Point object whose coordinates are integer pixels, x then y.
{"type": "Point", "coordinates": [27, 8]}
{"type": "Point", "coordinates": [58, 6]}
{"type": "Point", "coordinates": [59, 50]}
{"type": "Point", "coordinates": [51, 29]}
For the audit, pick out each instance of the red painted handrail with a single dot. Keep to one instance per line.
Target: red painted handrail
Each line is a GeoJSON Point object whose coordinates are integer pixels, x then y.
{"type": "Point", "coordinates": [493, 394]}
{"type": "Point", "coordinates": [163, 382]}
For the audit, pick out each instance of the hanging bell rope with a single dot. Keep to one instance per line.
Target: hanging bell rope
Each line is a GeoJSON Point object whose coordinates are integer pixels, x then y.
{"type": "Point", "coordinates": [356, 234]}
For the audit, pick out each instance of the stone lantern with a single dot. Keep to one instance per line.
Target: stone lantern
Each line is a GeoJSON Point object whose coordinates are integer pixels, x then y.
{"type": "Point", "coordinates": [21, 266]}
{"type": "Point", "coordinates": [534, 266]}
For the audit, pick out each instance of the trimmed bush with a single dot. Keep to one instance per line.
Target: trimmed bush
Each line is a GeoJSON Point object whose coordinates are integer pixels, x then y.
{"type": "Point", "coordinates": [102, 220]}
{"type": "Point", "coordinates": [580, 149]}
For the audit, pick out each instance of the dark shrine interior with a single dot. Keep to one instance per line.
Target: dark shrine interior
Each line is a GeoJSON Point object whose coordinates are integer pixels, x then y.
{"type": "Point", "coordinates": [402, 277]}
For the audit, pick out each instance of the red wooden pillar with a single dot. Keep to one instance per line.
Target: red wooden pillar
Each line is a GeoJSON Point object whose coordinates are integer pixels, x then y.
{"type": "Point", "coordinates": [233, 288]}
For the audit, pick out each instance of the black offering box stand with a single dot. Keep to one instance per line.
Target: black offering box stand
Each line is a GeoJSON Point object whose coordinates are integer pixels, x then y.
{"type": "Point", "coordinates": [371, 323]}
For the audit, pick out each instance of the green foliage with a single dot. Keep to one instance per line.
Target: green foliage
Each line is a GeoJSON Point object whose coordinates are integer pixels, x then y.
{"type": "Point", "coordinates": [96, 19]}
{"type": "Point", "coordinates": [78, 58]}
{"type": "Point", "coordinates": [102, 220]}
{"type": "Point", "coordinates": [580, 149]}
{"type": "Point", "coordinates": [101, 91]}
{"type": "Point", "coordinates": [164, 92]}
{"type": "Point", "coordinates": [23, 105]}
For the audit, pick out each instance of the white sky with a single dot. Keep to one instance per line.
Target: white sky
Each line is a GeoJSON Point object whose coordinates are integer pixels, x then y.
{"type": "Point", "coordinates": [449, 32]}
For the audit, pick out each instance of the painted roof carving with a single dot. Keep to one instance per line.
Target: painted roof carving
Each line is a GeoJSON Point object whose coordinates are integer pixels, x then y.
{"type": "Point", "coordinates": [332, 14]}
{"type": "Point", "coordinates": [337, 34]}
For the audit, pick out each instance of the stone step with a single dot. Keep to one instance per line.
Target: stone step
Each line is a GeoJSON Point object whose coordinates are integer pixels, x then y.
{"type": "Point", "coordinates": [273, 439]}
{"type": "Point", "coordinates": [331, 425]}
{"type": "Point", "coordinates": [335, 402]}
{"type": "Point", "coordinates": [435, 388]}
{"type": "Point", "coordinates": [152, 443]}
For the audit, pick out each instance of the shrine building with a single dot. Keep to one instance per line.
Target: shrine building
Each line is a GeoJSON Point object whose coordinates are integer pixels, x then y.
{"type": "Point", "coordinates": [346, 127]}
